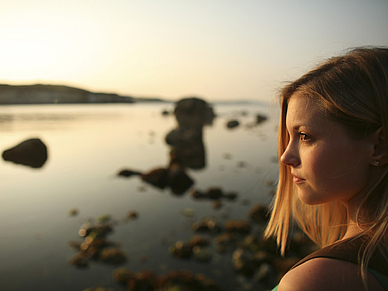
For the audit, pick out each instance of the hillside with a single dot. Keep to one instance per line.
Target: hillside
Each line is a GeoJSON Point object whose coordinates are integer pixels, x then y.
{"type": "Point", "coordinates": [49, 94]}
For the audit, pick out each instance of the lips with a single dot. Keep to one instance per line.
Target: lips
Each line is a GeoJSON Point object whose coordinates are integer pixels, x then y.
{"type": "Point", "coordinates": [297, 180]}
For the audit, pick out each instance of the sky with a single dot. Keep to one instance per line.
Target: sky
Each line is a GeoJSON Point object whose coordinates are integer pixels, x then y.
{"type": "Point", "coordinates": [219, 50]}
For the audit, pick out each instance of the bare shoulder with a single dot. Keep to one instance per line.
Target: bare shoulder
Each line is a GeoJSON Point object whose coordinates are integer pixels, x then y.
{"type": "Point", "coordinates": [323, 274]}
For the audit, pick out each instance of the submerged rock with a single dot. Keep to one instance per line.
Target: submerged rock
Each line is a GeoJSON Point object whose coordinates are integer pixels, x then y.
{"type": "Point", "coordinates": [113, 255]}
{"type": "Point", "coordinates": [31, 152]}
{"type": "Point", "coordinates": [122, 275]}
{"type": "Point", "coordinates": [185, 280]}
{"type": "Point", "coordinates": [259, 213]}
{"type": "Point", "coordinates": [245, 261]}
{"type": "Point", "coordinates": [174, 280]}
{"type": "Point", "coordinates": [202, 254]}
{"type": "Point", "coordinates": [238, 226]}
{"type": "Point", "coordinates": [95, 245]}
{"type": "Point", "coordinates": [157, 177]}
{"type": "Point", "coordinates": [143, 281]}
{"type": "Point", "coordinates": [128, 173]}
{"type": "Point", "coordinates": [195, 246]}
{"type": "Point", "coordinates": [132, 215]}
{"type": "Point", "coordinates": [98, 289]}
{"type": "Point", "coordinates": [178, 180]}
{"type": "Point", "coordinates": [181, 249]}
{"type": "Point", "coordinates": [232, 123]}
{"type": "Point", "coordinates": [260, 118]}
{"type": "Point", "coordinates": [208, 224]}
{"type": "Point", "coordinates": [213, 193]}
{"type": "Point", "coordinates": [226, 241]}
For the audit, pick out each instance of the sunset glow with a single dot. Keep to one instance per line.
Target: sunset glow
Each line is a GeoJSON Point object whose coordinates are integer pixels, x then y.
{"type": "Point", "coordinates": [220, 50]}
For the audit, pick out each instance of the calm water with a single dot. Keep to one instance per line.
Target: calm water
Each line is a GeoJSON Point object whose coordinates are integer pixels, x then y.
{"type": "Point", "coordinates": [87, 146]}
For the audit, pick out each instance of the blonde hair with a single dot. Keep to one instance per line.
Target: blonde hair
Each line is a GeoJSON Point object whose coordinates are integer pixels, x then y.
{"type": "Point", "coordinates": [352, 90]}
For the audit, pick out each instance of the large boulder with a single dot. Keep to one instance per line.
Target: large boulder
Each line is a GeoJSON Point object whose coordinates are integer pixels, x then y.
{"type": "Point", "coordinates": [186, 140]}
{"type": "Point", "coordinates": [31, 152]}
{"type": "Point", "coordinates": [193, 113]}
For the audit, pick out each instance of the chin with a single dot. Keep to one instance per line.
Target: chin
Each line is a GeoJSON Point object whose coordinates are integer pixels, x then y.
{"type": "Point", "coordinates": [309, 199]}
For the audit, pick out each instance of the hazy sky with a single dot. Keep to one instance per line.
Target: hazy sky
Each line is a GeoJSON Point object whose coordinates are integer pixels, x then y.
{"type": "Point", "coordinates": [215, 49]}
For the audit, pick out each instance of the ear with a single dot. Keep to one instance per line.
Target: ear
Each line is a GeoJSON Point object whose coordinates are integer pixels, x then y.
{"type": "Point", "coordinates": [379, 152]}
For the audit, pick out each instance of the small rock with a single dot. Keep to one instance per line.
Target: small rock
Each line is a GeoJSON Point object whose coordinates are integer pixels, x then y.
{"type": "Point", "coordinates": [227, 156]}
{"type": "Point", "coordinates": [165, 112]}
{"type": "Point", "coordinates": [232, 124]}
{"type": "Point", "coordinates": [197, 194]}
{"type": "Point", "coordinates": [122, 275]}
{"type": "Point", "coordinates": [259, 213]}
{"type": "Point", "coordinates": [208, 224]}
{"type": "Point", "coordinates": [112, 255]}
{"type": "Point", "coordinates": [128, 173]}
{"type": "Point", "coordinates": [104, 218]}
{"type": "Point", "coordinates": [231, 196]}
{"type": "Point", "coordinates": [31, 152]}
{"type": "Point", "coordinates": [73, 212]}
{"type": "Point", "coordinates": [260, 118]}
{"type": "Point", "coordinates": [202, 254]}
{"type": "Point", "coordinates": [226, 241]}
{"type": "Point", "coordinates": [198, 240]}
{"type": "Point", "coordinates": [157, 177]}
{"type": "Point", "coordinates": [238, 226]}
{"type": "Point", "coordinates": [98, 289]}
{"type": "Point", "coordinates": [132, 215]}
{"type": "Point", "coordinates": [189, 212]}
{"type": "Point", "coordinates": [244, 262]}
{"type": "Point", "coordinates": [181, 250]}
{"type": "Point", "coordinates": [217, 204]}
{"type": "Point", "coordinates": [214, 193]}
{"type": "Point", "coordinates": [80, 260]}
{"type": "Point", "coordinates": [143, 281]}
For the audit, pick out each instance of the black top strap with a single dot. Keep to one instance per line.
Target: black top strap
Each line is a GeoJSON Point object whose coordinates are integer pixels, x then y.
{"type": "Point", "coordinates": [348, 250]}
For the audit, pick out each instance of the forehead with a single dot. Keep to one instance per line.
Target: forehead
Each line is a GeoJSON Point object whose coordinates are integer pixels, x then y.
{"type": "Point", "coordinates": [304, 111]}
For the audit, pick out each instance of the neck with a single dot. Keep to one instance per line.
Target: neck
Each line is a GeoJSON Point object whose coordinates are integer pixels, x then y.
{"type": "Point", "coordinates": [353, 228]}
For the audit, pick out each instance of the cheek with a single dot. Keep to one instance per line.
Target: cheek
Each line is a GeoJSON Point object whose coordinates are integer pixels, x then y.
{"type": "Point", "coordinates": [338, 171]}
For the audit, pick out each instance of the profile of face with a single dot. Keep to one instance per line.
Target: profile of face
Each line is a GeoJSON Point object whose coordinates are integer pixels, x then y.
{"type": "Point", "coordinates": [326, 164]}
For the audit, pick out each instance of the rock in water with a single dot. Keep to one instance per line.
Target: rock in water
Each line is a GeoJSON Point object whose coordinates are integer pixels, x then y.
{"type": "Point", "coordinates": [31, 152]}
{"type": "Point", "coordinates": [193, 113]}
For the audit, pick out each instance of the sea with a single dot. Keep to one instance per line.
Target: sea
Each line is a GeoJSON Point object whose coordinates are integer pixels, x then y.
{"type": "Point", "coordinates": [42, 209]}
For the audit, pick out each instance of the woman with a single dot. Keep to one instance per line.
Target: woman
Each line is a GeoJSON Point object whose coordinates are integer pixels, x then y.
{"type": "Point", "coordinates": [333, 178]}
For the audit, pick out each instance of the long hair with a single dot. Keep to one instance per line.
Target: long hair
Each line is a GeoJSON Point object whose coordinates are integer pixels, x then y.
{"type": "Point", "coordinates": [352, 90]}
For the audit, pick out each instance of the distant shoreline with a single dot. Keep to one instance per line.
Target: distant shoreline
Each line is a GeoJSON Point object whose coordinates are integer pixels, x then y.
{"type": "Point", "coordinates": [59, 94]}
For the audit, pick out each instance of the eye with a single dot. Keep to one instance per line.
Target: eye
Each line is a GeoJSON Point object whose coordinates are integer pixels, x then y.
{"type": "Point", "coordinates": [303, 137]}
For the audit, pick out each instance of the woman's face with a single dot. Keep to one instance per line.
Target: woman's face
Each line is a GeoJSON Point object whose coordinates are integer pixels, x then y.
{"type": "Point", "coordinates": [325, 163]}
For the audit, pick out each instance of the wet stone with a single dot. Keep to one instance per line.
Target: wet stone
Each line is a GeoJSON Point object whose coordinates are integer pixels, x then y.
{"type": "Point", "coordinates": [202, 254]}
{"type": "Point", "coordinates": [181, 249]}
{"type": "Point", "coordinates": [208, 224]}
{"type": "Point", "coordinates": [113, 255]}
{"type": "Point", "coordinates": [122, 275]}
{"type": "Point", "coordinates": [232, 123]}
{"type": "Point", "coordinates": [226, 241]}
{"type": "Point", "coordinates": [238, 226]}
{"type": "Point", "coordinates": [128, 173]}
{"type": "Point", "coordinates": [244, 261]}
{"type": "Point", "coordinates": [132, 215]}
{"type": "Point", "coordinates": [98, 289]}
{"type": "Point", "coordinates": [259, 213]}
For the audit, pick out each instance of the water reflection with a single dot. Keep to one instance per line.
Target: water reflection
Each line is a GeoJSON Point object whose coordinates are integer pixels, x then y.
{"type": "Point", "coordinates": [187, 147]}
{"type": "Point", "coordinates": [186, 141]}
{"type": "Point", "coordinates": [31, 153]}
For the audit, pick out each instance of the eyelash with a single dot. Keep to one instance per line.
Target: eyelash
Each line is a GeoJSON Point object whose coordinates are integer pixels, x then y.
{"type": "Point", "coordinates": [304, 137]}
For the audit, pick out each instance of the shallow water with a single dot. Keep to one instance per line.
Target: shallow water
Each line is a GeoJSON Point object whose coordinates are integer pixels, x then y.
{"type": "Point", "coordinates": [87, 146]}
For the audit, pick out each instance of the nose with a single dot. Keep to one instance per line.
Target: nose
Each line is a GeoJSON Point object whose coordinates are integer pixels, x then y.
{"type": "Point", "coordinates": [290, 156]}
